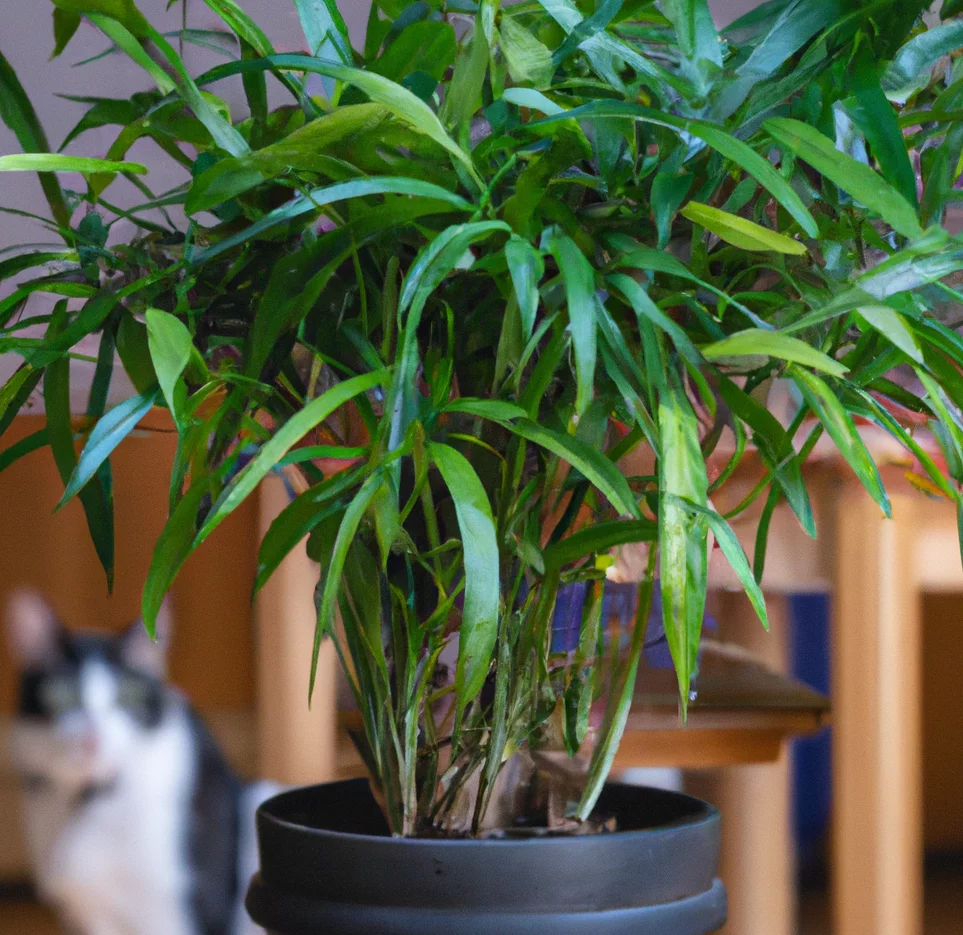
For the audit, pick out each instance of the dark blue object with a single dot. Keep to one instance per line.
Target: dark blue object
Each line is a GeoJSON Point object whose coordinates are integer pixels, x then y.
{"type": "Point", "coordinates": [619, 600]}
{"type": "Point", "coordinates": [811, 756]}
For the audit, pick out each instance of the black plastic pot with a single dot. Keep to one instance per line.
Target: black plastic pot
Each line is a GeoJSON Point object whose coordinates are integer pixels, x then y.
{"type": "Point", "coordinates": [328, 867]}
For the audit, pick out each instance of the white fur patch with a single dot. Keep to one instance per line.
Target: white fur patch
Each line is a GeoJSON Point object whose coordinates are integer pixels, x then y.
{"type": "Point", "coordinates": [116, 864]}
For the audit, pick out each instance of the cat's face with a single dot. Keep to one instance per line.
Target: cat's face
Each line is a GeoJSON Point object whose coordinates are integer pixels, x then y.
{"type": "Point", "coordinates": [87, 700]}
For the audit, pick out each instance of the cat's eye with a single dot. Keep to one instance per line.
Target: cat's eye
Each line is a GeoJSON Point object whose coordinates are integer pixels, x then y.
{"type": "Point", "coordinates": [60, 694]}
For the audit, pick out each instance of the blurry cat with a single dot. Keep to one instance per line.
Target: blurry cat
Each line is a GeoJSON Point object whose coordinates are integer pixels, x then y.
{"type": "Point", "coordinates": [135, 823]}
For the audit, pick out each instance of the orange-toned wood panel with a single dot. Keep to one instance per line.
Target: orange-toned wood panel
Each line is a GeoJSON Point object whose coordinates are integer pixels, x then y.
{"type": "Point", "coordinates": [942, 721]}
{"type": "Point", "coordinates": [211, 655]}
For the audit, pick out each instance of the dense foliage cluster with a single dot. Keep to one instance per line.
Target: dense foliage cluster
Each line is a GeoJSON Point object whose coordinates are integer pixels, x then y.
{"type": "Point", "coordinates": [455, 280]}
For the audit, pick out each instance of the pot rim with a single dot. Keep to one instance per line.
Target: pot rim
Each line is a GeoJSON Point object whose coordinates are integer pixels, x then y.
{"type": "Point", "coordinates": [702, 812]}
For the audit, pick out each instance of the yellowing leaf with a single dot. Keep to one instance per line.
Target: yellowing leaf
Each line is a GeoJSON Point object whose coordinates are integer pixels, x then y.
{"type": "Point", "coordinates": [739, 232]}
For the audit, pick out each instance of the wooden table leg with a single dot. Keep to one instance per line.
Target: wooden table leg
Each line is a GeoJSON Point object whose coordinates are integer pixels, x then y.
{"type": "Point", "coordinates": [878, 859]}
{"type": "Point", "coordinates": [758, 856]}
{"type": "Point", "coordinates": [298, 744]}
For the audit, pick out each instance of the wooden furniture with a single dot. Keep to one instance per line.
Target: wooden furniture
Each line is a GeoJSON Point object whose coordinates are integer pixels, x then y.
{"type": "Point", "coordinates": [743, 713]}
{"type": "Point", "coordinates": [878, 569]}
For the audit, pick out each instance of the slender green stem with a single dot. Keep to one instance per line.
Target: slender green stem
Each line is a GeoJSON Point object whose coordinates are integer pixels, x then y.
{"type": "Point", "coordinates": [614, 726]}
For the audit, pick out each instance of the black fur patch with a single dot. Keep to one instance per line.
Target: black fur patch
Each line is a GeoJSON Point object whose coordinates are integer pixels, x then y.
{"type": "Point", "coordinates": [214, 836]}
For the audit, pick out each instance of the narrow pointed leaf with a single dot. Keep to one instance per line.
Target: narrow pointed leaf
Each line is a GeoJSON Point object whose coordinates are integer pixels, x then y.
{"type": "Point", "coordinates": [842, 430]}
{"type": "Point", "coordinates": [736, 556]}
{"type": "Point", "coordinates": [174, 545]}
{"type": "Point", "coordinates": [18, 114]}
{"type": "Point", "coordinates": [479, 626]}
{"type": "Point", "coordinates": [718, 138]}
{"type": "Point", "coordinates": [579, 277]}
{"type": "Point", "coordinates": [740, 232]}
{"type": "Point", "coordinates": [107, 434]}
{"type": "Point", "coordinates": [889, 323]}
{"type": "Point", "coordinates": [54, 162]}
{"type": "Point", "coordinates": [756, 342]}
{"type": "Point", "coordinates": [526, 266]}
{"type": "Point", "coordinates": [317, 199]}
{"type": "Point", "coordinates": [683, 537]}
{"type": "Point", "coordinates": [335, 566]}
{"type": "Point", "coordinates": [25, 446]}
{"type": "Point", "coordinates": [854, 177]}
{"type": "Point", "coordinates": [875, 117]}
{"type": "Point", "coordinates": [324, 28]}
{"type": "Point", "coordinates": [286, 437]}
{"type": "Point", "coordinates": [590, 462]}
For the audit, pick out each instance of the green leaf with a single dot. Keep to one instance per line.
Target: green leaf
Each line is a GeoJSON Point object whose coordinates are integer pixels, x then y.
{"type": "Point", "coordinates": [579, 278]}
{"type": "Point", "coordinates": [65, 25]}
{"type": "Point", "coordinates": [170, 349]}
{"type": "Point", "coordinates": [297, 519]}
{"type": "Point", "coordinates": [839, 424]}
{"type": "Point", "coordinates": [889, 323]}
{"type": "Point", "coordinates": [174, 545]}
{"type": "Point", "coordinates": [776, 448]}
{"type": "Point", "coordinates": [17, 264]}
{"type": "Point", "coordinates": [19, 449]}
{"type": "Point", "coordinates": [432, 266]}
{"type": "Point", "coordinates": [124, 11]}
{"type": "Point", "coordinates": [96, 498]}
{"type": "Point", "coordinates": [324, 28]}
{"type": "Point", "coordinates": [659, 261]}
{"type": "Point", "coordinates": [735, 554]}
{"type": "Point", "coordinates": [130, 43]}
{"type": "Point", "coordinates": [757, 342]}
{"type": "Point", "coordinates": [133, 348]}
{"type": "Point", "coordinates": [222, 131]}
{"type": "Point", "coordinates": [339, 554]}
{"type": "Point", "coordinates": [739, 232]}
{"type": "Point", "coordinates": [532, 99]}
{"type": "Point", "coordinates": [526, 266]}
{"type": "Point", "coordinates": [285, 438]}
{"type": "Point", "coordinates": [856, 178]}
{"type": "Point", "coordinates": [479, 626]}
{"type": "Point", "coordinates": [683, 538]}
{"type": "Point", "coordinates": [607, 53]}
{"type": "Point", "coordinates": [18, 114]}
{"type": "Point", "coordinates": [529, 62]}
{"type": "Point", "coordinates": [590, 462]}
{"type": "Point", "coordinates": [15, 393]}
{"type": "Point", "coordinates": [426, 48]}
{"type": "Point", "coordinates": [317, 199]}
{"type": "Point", "coordinates": [598, 538]}
{"type": "Point", "coordinates": [53, 162]}
{"type": "Point", "coordinates": [493, 409]}
{"type": "Point", "coordinates": [242, 24]}
{"type": "Point", "coordinates": [951, 438]}
{"type": "Point", "coordinates": [718, 138]}
{"type": "Point", "coordinates": [107, 434]}
{"type": "Point", "coordinates": [796, 24]}
{"type": "Point", "coordinates": [406, 106]}
{"type": "Point", "coordinates": [698, 40]}
{"type": "Point", "coordinates": [645, 308]}
{"type": "Point", "coordinates": [670, 187]}
{"type": "Point", "coordinates": [919, 55]}
{"type": "Point", "coordinates": [876, 119]}
{"type": "Point", "coordinates": [465, 90]}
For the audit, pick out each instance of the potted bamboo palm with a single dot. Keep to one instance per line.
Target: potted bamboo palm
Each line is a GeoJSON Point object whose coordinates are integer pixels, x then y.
{"type": "Point", "coordinates": [451, 289]}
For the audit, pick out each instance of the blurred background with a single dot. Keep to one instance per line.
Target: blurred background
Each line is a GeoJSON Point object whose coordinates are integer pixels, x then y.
{"type": "Point", "coordinates": [245, 667]}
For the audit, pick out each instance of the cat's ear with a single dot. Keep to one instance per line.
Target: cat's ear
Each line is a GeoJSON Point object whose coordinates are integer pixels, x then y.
{"type": "Point", "coordinates": [144, 654]}
{"type": "Point", "coordinates": [34, 634]}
